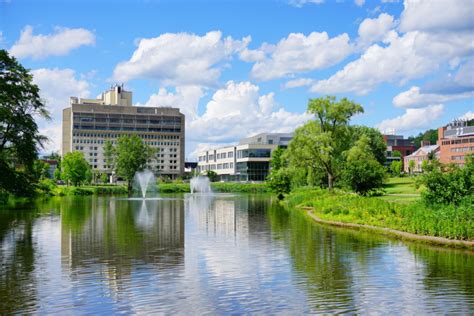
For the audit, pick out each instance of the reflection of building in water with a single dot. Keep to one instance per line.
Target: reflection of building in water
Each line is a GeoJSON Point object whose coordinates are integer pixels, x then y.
{"type": "Point", "coordinates": [220, 216]}
{"type": "Point", "coordinates": [120, 233]}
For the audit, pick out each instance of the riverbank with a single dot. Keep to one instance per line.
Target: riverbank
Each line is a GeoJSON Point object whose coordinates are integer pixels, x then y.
{"type": "Point", "coordinates": [453, 223]}
{"type": "Point", "coordinates": [223, 187]}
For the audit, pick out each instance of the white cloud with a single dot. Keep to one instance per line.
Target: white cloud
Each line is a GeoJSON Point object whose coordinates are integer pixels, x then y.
{"type": "Point", "coordinates": [359, 2]}
{"type": "Point", "coordinates": [237, 110]}
{"type": "Point", "coordinates": [413, 119]}
{"type": "Point", "coordinates": [414, 98]}
{"type": "Point", "coordinates": [180, 58]}
{"type": "Point", "coordinates": [406, 57]}
{"type": "Point", "coordinates": [437, 15]}
{"type": "Point", "coordinates": [301, 53]}
{"type": "Point", "coordinates": [60, 43]}
{"type": "Point", "coordinates": [56, 86]}
{"type": "Point", "coordinates": [301, 3]}
{"type": "Point", "coordinates": [467, 116]}
{"type": "Point", "coordinates": [301, 82]}
{"type": "Point", "coordinates": [186, 98]}
{"type": "Point", "coordinates": [373, 30]}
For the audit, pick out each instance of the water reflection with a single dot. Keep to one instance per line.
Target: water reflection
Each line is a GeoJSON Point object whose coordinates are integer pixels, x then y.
{"type": "Point", "coordinates": [214, 254]}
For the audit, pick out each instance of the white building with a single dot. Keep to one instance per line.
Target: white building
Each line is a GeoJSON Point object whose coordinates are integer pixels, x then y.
{"type": "Point", "coordinates": [247, 161]}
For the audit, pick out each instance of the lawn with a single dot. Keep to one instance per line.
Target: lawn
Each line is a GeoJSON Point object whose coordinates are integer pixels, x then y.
{"type": "Point", "coordinates": [401, 190]}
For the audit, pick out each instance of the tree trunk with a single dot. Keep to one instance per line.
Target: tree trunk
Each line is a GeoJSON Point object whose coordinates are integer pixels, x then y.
{"type": "Point", "coordinates": [129, 187]}
{"type": "Point", "coordinates": [330, 180]}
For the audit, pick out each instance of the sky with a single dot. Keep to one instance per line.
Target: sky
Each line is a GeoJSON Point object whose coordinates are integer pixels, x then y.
{"type": "Point", "coordinates": [238, 68]}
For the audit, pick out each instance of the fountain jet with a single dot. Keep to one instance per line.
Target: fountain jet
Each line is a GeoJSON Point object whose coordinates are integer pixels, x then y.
{"type": "Point", "coordinates": [145, 181]}
{"type": "Point", "coordinates": [200, 184]}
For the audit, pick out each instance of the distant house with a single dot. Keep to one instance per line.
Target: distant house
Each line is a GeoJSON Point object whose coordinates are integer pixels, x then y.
{"type": "Point", "coordinates": [420, 155]}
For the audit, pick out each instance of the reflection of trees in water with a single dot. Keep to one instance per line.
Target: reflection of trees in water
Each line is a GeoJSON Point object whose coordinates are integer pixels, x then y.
{"type": "Point", "coordinates": [447, 269]}
{"type": "Point", "coordinates": [17, 261]}
{"type": "Point", "coordinates": [122, 234]}
{"type": "Point", "coordinates": [322, 256]}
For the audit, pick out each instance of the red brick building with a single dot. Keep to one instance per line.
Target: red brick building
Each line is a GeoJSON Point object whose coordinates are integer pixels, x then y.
{"type": "Point", "coordinates": [398, 143]}
{"type": "Point", "coordinates": [455, 141]}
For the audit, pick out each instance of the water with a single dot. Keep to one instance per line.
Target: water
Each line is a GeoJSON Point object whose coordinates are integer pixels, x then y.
{"type": "Point", "coordinates": [200, 184]}
{"type": "Point", "coordinates": [145, 182]}
{"type": "Point", "coordinates": [214, 254]}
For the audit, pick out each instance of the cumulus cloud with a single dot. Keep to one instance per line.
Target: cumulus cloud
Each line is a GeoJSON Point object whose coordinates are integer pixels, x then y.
{"type": "Point", "coordinates": [300, 53]}
{"type": "Point", "coordinates": [412, 55]}
{"type": "Point", "coordinates": [429, 15]}
{"type": "Point", "coordinates": [413, 119]}
{"type": "Point", "coordinates": [180, 58]}
{"type": "Point", "coordinates": [56, 86]}
{"type": "Point", "coordinates": [373, 30]}
{"type": "Point", "coordinates": [237, 110]}
{"type": "Point", "coordinates": [467, 116]}
{"type": "Point", "coordinates": [186, 98]}
{"type": "Point", "coordinates": [301, 82]}
{"type": "Point", "coordinates": [60, 43]}
{"type": "Point", "coordinates": [449, 88]}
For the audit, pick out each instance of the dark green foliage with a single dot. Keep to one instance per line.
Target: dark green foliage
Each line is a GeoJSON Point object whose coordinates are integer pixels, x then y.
{"type": "Point", "coordinates": [279, 181]}
{"type": "Point", "coordinates": [75, 168]}
{"type": "Point", "coordinates": [212, 175]}
{"type": "Point", "coordinates": [431, 135]}
{"type": "Point", "coordinates": [363, 173]}
{"type": "Point", "coordinates": [278, 160]}
{"type": "Point", "coordinates": [376, 143]}
{"type": "Point", "coordinates": [40, 170]}
{"type": "Point", "coordinates": [449, 184]}
{"type": "Point", "coordinates": [19, 136]}
{"type": "Point", "coordinates": [129, 156]}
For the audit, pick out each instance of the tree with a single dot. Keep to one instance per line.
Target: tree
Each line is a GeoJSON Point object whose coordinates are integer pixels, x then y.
{"type": "Point", "coordinates": [75, 168]}
{"type": "Point", "coordinates": [396, 167]}
{"type": "Point", "coordinates": [57, 174]}
{"type": "Point", "coordinates": [411, 166]}
{"type": "Point", "coordinates": [277, 161]}
{"type": "Point", "coordinates": [20, 103]}
{"type": "Point", "coordinates": [212, 175]}
{"type": "Point", "coordinates": [279, 182]}
{"type": "Point", "coordinates": [129, 156]}
{"type": "Point", "coordinates": [322, 142]}
{"type": "Point", "coordinates": [104, 178]}
{"type": "Point", "coordinates": [377, 145]}
{"type": "Point", "coordinates": [396, 154]}
{"type": "Point", "coordinates": [363, 172]}
{"type": "Point", "coordinates": [40, 170]}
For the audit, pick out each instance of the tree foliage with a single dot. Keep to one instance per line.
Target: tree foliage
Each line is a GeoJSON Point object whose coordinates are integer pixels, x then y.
{"type": "Point", "coordinates": [396, 167]}
{"type": "Point", "coordinates": [449, 184]}
{"type": "Point", "coordinates": [129, 156]}
{"type": "Point", "coordinates": [75, 168]}
{"type": "Point", "coordinates": [363, 172]}
{"type": "Point", "coordinates": [212, 175]}
{"type": "Point", "coordinates": [20, 102]}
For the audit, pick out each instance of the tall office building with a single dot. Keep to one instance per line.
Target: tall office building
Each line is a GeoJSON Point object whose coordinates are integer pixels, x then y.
{"type": "Point", "coordinates": [456, 140]}
{"type": "Point", "coordinates": [247, 161]}
{"type": "Point", "coordinates": [89, 123]}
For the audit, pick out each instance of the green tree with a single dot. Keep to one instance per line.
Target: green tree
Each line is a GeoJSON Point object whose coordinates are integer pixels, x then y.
{"type": "Point", "coordinates": [323, 141]}
{"type": "Point", "coordinates": [129, 156]}
{"type": "Point", "coordinates": [363, 172]}
{"type": "Point", "coordinates": [212, 175]}
{"type": "Point", "coordinates": [396, 154]}
{"type": "Point", "coordinates": [57, 174]}
{"type": "Point", "coordinates": [396, 167]}
{"type": "Point", "coordinates": [75, 168]}
{"type": "Point", "coordinates": [40, 170]}
{"type": "Point", "coordinates": [104, 177]}
{"type": "Point", "coordinates": [278, 160]}
{"type": "Point", "coordinates": [377, 145]}
{"type": "Point", "coordinates": [109, 154]}
{"type": "Point", "coordinates": [411, 166]}
{"type": "Point", "coordinates": [20, 103]}
{"type": "Point", "coordinates": [279, 182]}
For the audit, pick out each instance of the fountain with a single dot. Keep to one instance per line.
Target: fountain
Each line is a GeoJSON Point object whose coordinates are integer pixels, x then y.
{"type": "Point", "coordinates": [200, 184]}
{"type": "Point", "coordinates": [145, 181]}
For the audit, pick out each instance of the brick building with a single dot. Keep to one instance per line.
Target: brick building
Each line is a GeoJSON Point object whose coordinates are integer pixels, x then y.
{"type": "Point", "coordinates": [455, 141]}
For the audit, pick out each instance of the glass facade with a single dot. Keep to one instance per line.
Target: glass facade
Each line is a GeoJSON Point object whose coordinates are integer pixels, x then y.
{"type": "Point", "coordinates": [252, 170]}
{"type": "Point", "coordinates": [254, 153]}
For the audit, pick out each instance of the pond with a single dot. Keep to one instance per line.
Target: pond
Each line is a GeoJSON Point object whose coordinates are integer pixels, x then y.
{"type": "Point", "coordinates": [194, 254]}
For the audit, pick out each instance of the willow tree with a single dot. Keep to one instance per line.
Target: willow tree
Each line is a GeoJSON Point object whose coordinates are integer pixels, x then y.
{"type": "Point", "coordinates": [320, 143]}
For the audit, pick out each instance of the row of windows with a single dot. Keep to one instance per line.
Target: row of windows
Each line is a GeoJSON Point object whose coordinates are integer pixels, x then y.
{"type": "Point", "coordinates": [127, 128]}
{"type": "Point", "coordinates": [126, 118]}
{"type": "Point", "coordinates": [457, 157]}
{"type": "Point", "coordinates": [111, 135]}
{"type": "Point", "coordinates": [218, 156]}
{"type": "Point", "coordinates": [219, 166]}
{"type": "Point", "coordinates": [462, 149]}
{"type": "Point", "coordinates": [458, 141]}
{"type": "Point", "coordinates": [254, 153]}
{"type": "Point", "coordinates": [101, 141]}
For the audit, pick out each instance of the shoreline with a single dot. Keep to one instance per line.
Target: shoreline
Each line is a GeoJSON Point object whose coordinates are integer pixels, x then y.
{"type": "Point", "coordinates": [440, 241]}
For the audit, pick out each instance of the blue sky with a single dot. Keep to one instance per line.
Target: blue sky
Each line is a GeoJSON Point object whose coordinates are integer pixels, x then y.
{"type": "Point", "coordinates": [239, 68]}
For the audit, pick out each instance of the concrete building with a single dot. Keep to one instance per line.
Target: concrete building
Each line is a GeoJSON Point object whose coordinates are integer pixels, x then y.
{"type": "Point", "coordinates": [455, 140]}
{"type": "Point", "coordinates": [397, 143]}
{"type": "Point", "coordinates": [247, 161]}
{"type": "Point", "coordinates": [420, 155]}
{"type": "Point", "coordinates": [88, 123]}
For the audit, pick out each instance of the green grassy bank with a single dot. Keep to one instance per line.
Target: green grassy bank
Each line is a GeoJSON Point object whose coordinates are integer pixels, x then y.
{"type": "Point", "coordinates": [453, 222]}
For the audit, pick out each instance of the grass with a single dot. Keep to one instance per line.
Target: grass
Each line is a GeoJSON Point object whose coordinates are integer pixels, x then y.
{"type": "Point", "coordinates": [413, 217]}
{"type": "Point", "coordinates": [401, 190]}
{"type": "Point", "coordinates": [178, 187]}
